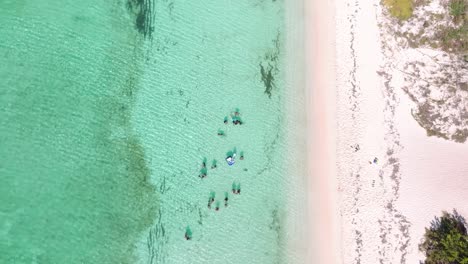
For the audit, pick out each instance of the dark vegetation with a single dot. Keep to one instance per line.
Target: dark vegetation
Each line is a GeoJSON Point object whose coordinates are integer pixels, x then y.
{"type": "Point", "coordinates": [143, 10]}
{"type": "Point", "coordinates": [446, 240]}
{"type": "Point", "coordinates": [401, 9]}
{"type": "Point", "coordinates": [270, 60]}
{"type": "Point", "coordinates": [457, 37]}
{"type": "Point", "coordinates": [458, 9]}
{"type": "Point", "coordinates": [267, 78]}
{"type": "Point", "coordinates": [453, 39]}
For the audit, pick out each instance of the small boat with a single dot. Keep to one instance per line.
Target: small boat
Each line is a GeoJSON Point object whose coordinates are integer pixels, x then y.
{"type": "Point", "coordinates": [231, 160]}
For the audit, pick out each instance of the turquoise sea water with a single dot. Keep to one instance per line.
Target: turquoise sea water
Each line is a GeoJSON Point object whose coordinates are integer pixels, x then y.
{"type": "Point", "coordinates": [107, 110]}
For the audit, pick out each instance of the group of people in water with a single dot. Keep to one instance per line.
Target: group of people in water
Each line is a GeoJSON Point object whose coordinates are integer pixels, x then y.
{"type": "Point", "coordinates": [236, 188]}
{"type": "Point", "coordinates": [211, 200]}
{"type": "Point", "coordinates": [204, 170]}
{"type": "Point", "coordinates": [230, 159]}
{"type": "Point", "coordinates": [236, 119]}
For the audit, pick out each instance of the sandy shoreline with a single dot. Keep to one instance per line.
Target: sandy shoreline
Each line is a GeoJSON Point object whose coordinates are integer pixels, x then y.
{"type": "Point", "coordinates": [361, 211]}
{"type": "Point", "coordinates": [320, 73]}
{"type": "Point", "coordinates": [384, 206]}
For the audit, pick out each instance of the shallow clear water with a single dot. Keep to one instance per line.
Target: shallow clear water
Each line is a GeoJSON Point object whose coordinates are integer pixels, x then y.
{"type": "Point", "coordinates": [105, 123]}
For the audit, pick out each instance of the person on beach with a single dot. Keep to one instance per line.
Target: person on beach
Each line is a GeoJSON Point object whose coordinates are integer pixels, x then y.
{"type": "Point", "coordinates": [225, 120]}
{"type": "Point", "coordinates": [214, 164]}
{"type": "Point", "coordinates": [238, 189]}
{"type": "Point", "coordinates": [242, 155]}
{"type": "Point", "coordinates": [217, 206]}
{"type": "Point", "coordinates": [204, 163]}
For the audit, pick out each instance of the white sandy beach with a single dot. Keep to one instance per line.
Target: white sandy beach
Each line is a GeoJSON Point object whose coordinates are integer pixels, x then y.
{"type": "Point", "coordinates": [320, 83]}
{"type": "Point", "coordinates": [435, 177]}
{"type": "Point", "coordinates": [384, 206]}
{"type": "Point", "coordinates": [361, 211]}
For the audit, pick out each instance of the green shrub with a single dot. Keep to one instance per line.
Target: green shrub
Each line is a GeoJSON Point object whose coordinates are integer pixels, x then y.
{"type": "Point", "coordinates": [458, 9]}
{"type": "Point", "coordinates": [401, 9]}
{"type": "Point", "coordinates": [446, 240]}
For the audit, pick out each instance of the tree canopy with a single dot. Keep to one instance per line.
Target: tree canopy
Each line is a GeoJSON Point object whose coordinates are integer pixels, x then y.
{"type": "Point", "coordinates": [446, 240]}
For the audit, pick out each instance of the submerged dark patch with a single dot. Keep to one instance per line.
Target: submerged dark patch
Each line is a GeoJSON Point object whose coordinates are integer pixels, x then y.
{"type": "Point", "coordinates": [143, 10]}
{"type": "Point", "coordinates": [267, 78]}
{"type": "Point", "coordinates": [269, 66]}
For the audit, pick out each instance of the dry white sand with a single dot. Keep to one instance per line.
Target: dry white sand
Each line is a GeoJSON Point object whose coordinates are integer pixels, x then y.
{"type": "Point", "coordinates": [434, 176]}
{"type": "Point", "coordinates": [384, 206]}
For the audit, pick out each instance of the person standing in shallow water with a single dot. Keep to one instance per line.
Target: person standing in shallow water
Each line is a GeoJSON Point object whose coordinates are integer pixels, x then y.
{"type": "Point", "coordinates": [203, 173]}
{"type": "Point", "coordinates": [188, 233]}
{"type": "Point", "coordinates": [211, 199]}
{"type": "Point", "coordinates": [236, 188]}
